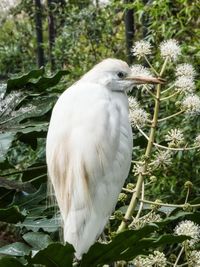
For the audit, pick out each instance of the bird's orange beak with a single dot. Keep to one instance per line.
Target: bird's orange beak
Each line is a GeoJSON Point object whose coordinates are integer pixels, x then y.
{"type": "Point", "coordinates": [145, 79]}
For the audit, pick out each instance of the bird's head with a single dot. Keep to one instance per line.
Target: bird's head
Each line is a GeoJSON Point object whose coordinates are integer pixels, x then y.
{"type": "Point", "coordinates": [117, 76]}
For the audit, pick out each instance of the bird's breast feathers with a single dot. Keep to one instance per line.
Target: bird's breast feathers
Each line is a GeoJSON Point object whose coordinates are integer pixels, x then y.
{"type": "Point", "coordinates": [89, 147]}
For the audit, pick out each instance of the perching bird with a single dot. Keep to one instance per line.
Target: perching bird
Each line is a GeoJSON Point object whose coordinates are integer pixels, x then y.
{"type": "Point", "coordinates": [89, 148]}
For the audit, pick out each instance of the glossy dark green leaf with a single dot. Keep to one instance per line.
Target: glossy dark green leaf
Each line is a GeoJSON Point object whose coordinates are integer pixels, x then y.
{"type": "Point", "coordinates": [48, 225]}
{"type": "Point", "coordinates": [15, 249]}
{"type": "Point", "coordinates": [10, 262]}
{"type": "Point", "coordinates": [29, 200]}
{"type": "Point", "coordinates": [46, 82]}
{"type": "Point", "coordinates": [11, 215]}
{"type": "Point", "coordinates": [55, 255]}
{"type": "Point", "coordinates": [107, 253]}
{"type": "Point", "coordinates": [37, 240]}
{"type": "Point", "coordinates": [20, 82]}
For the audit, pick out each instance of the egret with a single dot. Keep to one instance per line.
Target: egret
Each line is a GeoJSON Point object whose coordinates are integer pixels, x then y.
{"type": "Point", "coordinates": [89, 149]}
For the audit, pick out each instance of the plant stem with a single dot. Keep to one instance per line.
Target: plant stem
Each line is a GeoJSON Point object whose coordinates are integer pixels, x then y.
{"type": "Point", "coordinates": [141, 203]}
{"type": "Point", "coordinates": [170, 96]}
{"type": "Point", "coordinates": [150, 65]}
{"type": "Point", "coordinates": [168, 205]}
{"type": "Point", "coordinates": [166, 147]}
{"type": "Point", "coordinates": [178, 258]}
{"type": "Point", "coordinates": [171, 116]}
{"type": "Point", "coordinates": [140, 180]}
{"type": "Point", "coordinates": [166, 90]}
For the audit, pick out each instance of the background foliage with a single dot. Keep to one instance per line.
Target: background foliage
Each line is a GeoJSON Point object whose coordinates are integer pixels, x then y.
{"type": "Point", "coordinates": [85, 34]}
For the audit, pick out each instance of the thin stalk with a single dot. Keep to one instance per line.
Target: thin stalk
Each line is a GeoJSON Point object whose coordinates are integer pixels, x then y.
{"type": "Point", "coordinates": [140, 180]}
{"type": "Point", "coordinates": [150, 65]}
{"type": "Point", "coordinates": [152, 94]}
{"type": "Point", "coordinates": [141, 203]}
{"type": "Point", "coordinates": [178, 258]}
{"type": "Point", "coordinates": [171, 116]}
{"type": "Point", "coordinates": [168, 205]}
{"type": "Point", "coordinates": [138, 188]}
{"type": "Point", "coordinates": [166, 147]}
{"type": "Point", "coordinates": [170, 96]}
{"type": "Point", "coordinates": [168, 89]}
{"type": "Point", "coordinates": [187, 195]}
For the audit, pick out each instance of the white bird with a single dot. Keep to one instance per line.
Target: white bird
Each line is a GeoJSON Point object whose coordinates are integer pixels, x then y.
{"type": "Point", "coordinates": [89, 149]}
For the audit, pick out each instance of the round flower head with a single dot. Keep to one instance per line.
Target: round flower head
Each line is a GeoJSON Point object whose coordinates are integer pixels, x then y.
{"type": "Point", "coordinates": [139, 70]}
{"type": "Point", "coordinates": [133, 104]}
{"type": "Point", "coordinates": [174, 137]}
{"type": "Point", "coordinates": [141, 48]}
{"type": "Point", "coordinates": [157, 259]}
{"type": "Point", "coordinates": [170, 49]}
{"type": "Point", "coordinates": [138, 117]}
{"type": "Point", "coordinates": [188, 228]}
{"type": "Point", "coordinates": [186, 70]}
{"type": "Point", "coordinates": [162, 159]}
{"type": "Point", "coordinates": [191, 104]}
{"type": "Point", "coordinates": [184, 84]}
{"type": "Point", "coordinates": [194, 258]}
{"type": "Point", "coordinates": [138, 168]}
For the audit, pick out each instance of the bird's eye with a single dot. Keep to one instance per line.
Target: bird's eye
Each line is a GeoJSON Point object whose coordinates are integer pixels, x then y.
{"type": "Point", "coordinates": [121, 74]}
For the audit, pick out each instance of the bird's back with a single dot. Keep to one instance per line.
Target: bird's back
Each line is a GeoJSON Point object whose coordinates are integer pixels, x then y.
{"type": "Point", "coordinates": [89, 147]}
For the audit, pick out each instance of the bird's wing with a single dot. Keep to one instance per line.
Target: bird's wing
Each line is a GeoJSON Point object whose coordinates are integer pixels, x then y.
{"type": "Point", "coordinates": [89, 146]}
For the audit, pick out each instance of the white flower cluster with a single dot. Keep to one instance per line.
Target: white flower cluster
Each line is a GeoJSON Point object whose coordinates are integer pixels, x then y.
{"type": "Point", "coordinates": [139, 168]}
{"type": "Point", "coordinates": [191, 104]}
{"type": "Point", "coordinates": [139, 70]}
{"type": "Point", "coordinates": [185, 85]}
{"type": "Point", "coordinates": [162, 159]}
{"type": "Point", "coordinates": [185, 74]}
{"type": "Point", "coordinates": [194, 258]}
{"type": "Point", "coordinates": [174, 137]}
{"type": "Point", "coordinates": [157, 259]}
{"type": "Point", "coordinates": [141, 48]}
{"type": "Point", "coordinates": [170, 49]}
{"type": "Point", "coordinates": [188, 228]}
{"type": "Point", "coordinates": [137, 116]}
{"type": "Point", "coordinates": [185, 70]}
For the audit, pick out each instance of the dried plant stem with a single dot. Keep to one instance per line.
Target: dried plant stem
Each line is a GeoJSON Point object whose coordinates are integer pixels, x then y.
{"type": "Point", "coordinates": [178, 258]}
{"type": "Point", "coordinates": [140, 180]}
{"type": "Point", "coordinates": [169, 205]}
{"type": "Point", "coordinates": [138, 188]}
{"type": "Point", "coordinates": [150, 65]}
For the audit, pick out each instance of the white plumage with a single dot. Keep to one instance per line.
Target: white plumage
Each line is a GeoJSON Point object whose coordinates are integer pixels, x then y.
{"type": "Point", "coordinates": [89, 147]}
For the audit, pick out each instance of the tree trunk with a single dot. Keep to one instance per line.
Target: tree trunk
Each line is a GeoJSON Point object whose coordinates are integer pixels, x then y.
{"type": "Point", "coordinates": [52, 33]}
{"type": "Point", "coordinates": [39, 33]}
{"type": "Point", "coordinates": [129, 30]}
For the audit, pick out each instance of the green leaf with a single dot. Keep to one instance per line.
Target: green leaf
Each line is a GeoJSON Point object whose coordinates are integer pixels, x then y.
{"type": "Point", "coordinates": [10, 262]}
{"type": "Point", "coordinates": [107, 253]}
{"type": "Point", "coordinates": [46, 82]}
{"type": "Point", "coordinates": [48, 225]}
{"type": "Point", "coordinates": [15, 249]}
{"type": "Point", "coordinates": [55, 255]}
{"type": "Point", "coordinates": [20, 82]}
{"type": "Point", "coordinates": [29, 200]}
{"type": "Point", "coordinates": [11, 215]}
{"type": "Point", "coordinates": [37, 240]}
{"type": "Point", "coordinates": [5, 141]}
